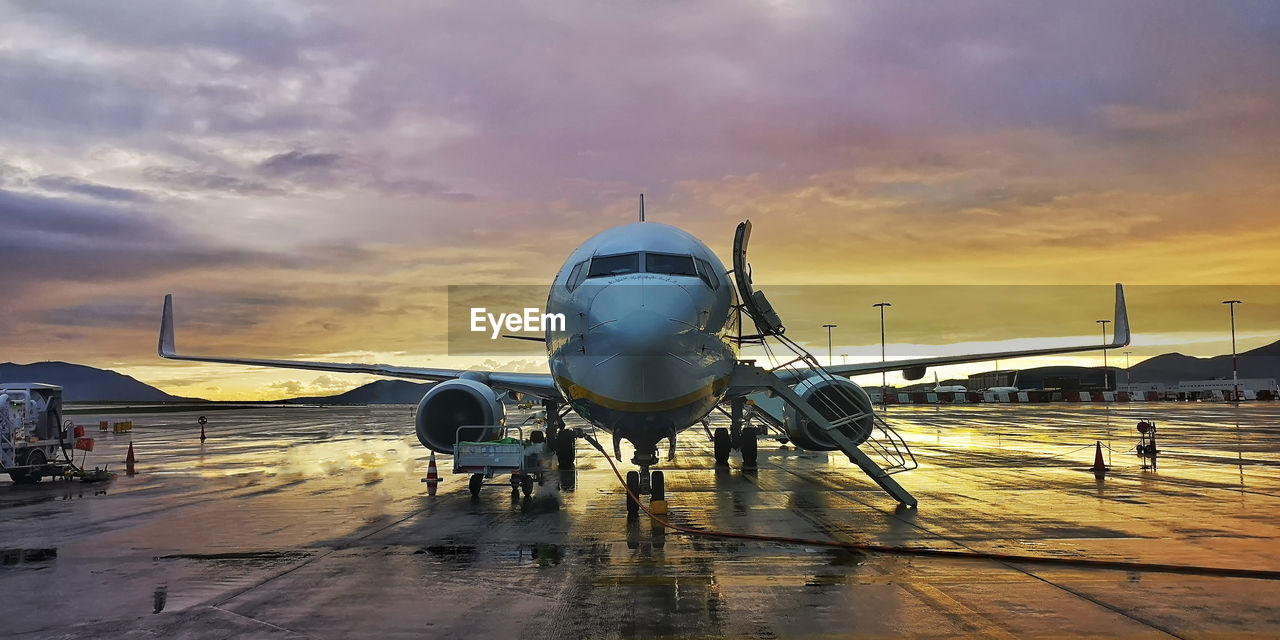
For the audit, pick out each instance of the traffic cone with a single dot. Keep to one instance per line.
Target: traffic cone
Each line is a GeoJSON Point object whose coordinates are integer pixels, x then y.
{"type": "Point", "coordinates": [202, 436]}
{"type": "Point", "coordinates": [1099, 468]}
{"type": "Point", "coordinates": [433, 477]}
{"type": "Point", "coordinates": [129, 461]}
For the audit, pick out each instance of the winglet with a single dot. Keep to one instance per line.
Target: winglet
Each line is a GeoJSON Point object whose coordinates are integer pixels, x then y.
{"type": "Point", "coordinates": [165, 347]}
{"type": "Point", "coordinates": [1121, 336]}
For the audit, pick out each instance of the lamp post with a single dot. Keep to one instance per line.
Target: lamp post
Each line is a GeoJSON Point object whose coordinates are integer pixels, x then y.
{"type": "Point", "coordinates": [829, 327]}
{"type": "Point", "coordinates": [1105, 380]}
{"type": "Point", "coordinates": [1235, 361]}
{"type": "Point", "coordinates": [883, 374]}
{"type": "Point", "coordinates": [1127, 383]}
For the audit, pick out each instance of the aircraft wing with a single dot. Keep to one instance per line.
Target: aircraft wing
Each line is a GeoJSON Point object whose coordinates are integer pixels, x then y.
{"type": "Point", "coordinates": [535, 384]}
{"type": "Point", "coordinates": [1120, 339]}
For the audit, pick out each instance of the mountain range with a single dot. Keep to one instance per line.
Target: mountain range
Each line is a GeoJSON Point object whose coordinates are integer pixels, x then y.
{"type": "Point", "coordinates": [81, 383]}
{"type": "Point", "coordinates": [88, 384]}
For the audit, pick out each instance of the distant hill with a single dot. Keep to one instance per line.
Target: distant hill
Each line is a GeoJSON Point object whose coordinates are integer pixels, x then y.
{"type": "Point", "coordinates": [81, 383]}
{"type": "Point", "coordinates": [376, 392]}
{"type": "Point", "coordinates": [1263, 362]}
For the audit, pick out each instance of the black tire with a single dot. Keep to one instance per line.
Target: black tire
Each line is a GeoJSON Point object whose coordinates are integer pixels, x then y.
{"type": "Point", "coordinates": [566, 449]}
{"type": "Point", "coordinates": [749, 448]}
{"type": "Point", "coordinates": [633, 487]}
{"type": "Point", "coordinates": [658, 487]}
{"type": "Point", "coordinates": [723, 446]}
{"type": "Point", "coordinates": [526, 485]}
{"type": "Point", "coordinates": [477, 479]}
{"type": "Point", "coordinates": [36, 458]}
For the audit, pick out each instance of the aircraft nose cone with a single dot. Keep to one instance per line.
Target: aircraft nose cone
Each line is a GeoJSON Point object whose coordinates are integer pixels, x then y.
{"type": "Point", "coordinates": [642, 320]}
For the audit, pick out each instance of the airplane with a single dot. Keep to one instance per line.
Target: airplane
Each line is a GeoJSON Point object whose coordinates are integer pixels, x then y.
{"type": "Point", "coordinates": [654, 326]}
{"type": "Point", "coordinates": [951, 388]}
{"type": "Point", "coordinates": [1010, 389]}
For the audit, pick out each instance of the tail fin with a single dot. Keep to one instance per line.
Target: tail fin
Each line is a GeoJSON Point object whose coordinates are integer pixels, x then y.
{"type": "Point", "coordinates": [165, 348]}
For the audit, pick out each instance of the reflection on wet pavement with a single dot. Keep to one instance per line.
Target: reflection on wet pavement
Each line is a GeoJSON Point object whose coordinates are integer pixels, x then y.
{"type": "Point", "coordinates": [312, 521]}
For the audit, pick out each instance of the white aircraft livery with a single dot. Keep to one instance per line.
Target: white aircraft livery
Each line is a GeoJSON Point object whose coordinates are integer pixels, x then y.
{"type": "Point", "coordinates": [653, 326]}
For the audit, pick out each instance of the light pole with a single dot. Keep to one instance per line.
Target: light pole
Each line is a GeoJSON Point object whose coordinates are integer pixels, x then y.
{"type": "Point", "coordinates": [1127, 383]}
{"type": "Point", "coordinates": [883, 374]}
{"type": "Point", "coordinates": [1235, 361]}
{"type": "Point", "coordinates": [829, 327]}
{"type": "Point", "coordinates": [1105, 381]}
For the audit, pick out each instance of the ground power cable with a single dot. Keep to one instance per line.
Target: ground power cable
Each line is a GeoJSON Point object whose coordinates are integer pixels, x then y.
{"type": "Point", "coordinates": [1116, 565]}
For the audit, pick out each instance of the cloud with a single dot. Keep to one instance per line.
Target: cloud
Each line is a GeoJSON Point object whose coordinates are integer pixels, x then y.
{"type": "Point", "coordinates": [68, 184]}
{"type": "Point", "coordinates": [201, 180]}
{"type": "Point", "coordinates": [292, 387]}
{"type": "Point", "coordinates": [306, 176]}
{"type": "Point", "coordinates": [293, 163]}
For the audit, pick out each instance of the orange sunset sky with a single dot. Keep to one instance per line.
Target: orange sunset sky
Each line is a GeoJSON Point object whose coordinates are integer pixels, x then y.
{"type": "Point", "coordinates": [308, 177]}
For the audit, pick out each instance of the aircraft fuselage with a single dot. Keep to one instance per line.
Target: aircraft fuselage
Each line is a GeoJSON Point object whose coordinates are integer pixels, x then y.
{"type": "Point", "coordinates": [646, 349]}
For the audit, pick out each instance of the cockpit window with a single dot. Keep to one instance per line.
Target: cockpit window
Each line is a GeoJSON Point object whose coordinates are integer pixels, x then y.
{"type": "Point", "coordinates": [615, 265]}
{"type": "Point", "coordinates": [576, 276]}
{"type": "Point", "coordinates": [708, 274]}
{"type": "Point", "coordinates": [669, 264]}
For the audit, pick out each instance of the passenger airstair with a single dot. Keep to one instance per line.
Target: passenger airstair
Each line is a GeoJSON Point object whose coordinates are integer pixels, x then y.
{"type": "Point", "coordinates": [829, 403]}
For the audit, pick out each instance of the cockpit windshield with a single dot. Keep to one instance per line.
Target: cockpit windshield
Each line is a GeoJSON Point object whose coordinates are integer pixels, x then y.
{"type": "Point", "coordinates": [669, 264]}
{"type": "Point", "coordinates": [615, 265]}
{"type": "Point", "coordinates": [618, 264]}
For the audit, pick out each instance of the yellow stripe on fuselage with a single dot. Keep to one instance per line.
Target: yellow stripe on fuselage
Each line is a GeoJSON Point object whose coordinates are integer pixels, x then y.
{"type": "Point", "coordinates": [579, 392]}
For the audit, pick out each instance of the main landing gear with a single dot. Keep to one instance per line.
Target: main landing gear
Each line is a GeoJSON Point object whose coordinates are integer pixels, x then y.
{"type": "Point", "coordinates": [737, 436]}
{"type": "Point", "coordinates": [561, 440]}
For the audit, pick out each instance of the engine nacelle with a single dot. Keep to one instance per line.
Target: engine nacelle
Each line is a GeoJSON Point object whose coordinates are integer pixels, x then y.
{"type": "Point", "coordinates": [834, 398]}
{"type": "Point", "coordinates": [455, 403]}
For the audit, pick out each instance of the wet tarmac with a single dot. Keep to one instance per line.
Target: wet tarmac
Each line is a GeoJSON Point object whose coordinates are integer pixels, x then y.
{"type": "Point", "coordinates": [313, 522]}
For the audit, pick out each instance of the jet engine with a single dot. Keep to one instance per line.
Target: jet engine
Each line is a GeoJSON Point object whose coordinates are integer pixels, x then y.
{"type": "Point", "coordinates": [456, 403]}
{"type": "Point", "coordinates": [835, 399]}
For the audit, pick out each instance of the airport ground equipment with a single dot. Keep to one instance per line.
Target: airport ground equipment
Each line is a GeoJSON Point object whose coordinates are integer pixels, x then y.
{"type": "Point", "coordinates": [1146, 448]}
{"type": "Point", "coordinates": [820, 410]}
{"type": "Point", "coordinates": [34, 441]}
{"type": "Point", "coordinates": [520, 460]}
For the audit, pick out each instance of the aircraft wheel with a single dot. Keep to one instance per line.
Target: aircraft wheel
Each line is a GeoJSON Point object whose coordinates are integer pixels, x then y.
{"type": "Point", "coordinates": [633, 489]}
{"type": "Point", "coordinates": [722, 446]}
{"type": "Point", "coordinates": [477, 479]}
{"type": "Point", "coordinates": [658, 487]}
{"type": "Point", "coordinates": [749, 449]}
{"type": "Point", "coordinates": [566, 449]}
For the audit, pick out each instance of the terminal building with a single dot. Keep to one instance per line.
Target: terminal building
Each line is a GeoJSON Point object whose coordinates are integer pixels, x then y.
{"type": "Point", "coordinates": [1223, 389]}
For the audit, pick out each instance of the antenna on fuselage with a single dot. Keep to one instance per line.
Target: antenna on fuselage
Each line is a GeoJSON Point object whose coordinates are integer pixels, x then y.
{"type": "Point", "coordinates": [642, 207]}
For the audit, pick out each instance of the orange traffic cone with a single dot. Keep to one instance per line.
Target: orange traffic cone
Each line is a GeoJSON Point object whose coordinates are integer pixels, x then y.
{"type": "Point", "coordinates": [433, 477]}
{"type": "Point", "coordinates": [1099, 468]}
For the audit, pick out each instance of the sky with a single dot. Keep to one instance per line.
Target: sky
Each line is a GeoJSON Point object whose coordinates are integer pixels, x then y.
{"type": "Point", "coordinates": [308, 177]}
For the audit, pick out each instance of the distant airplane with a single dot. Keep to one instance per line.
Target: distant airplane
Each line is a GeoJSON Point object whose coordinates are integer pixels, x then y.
{"type": "Point", "coordinates": [1011, 389]}
{"type": "Point", "coordinates": [654, 327]}
{"type": "Point", "coordinates": [950, 388]}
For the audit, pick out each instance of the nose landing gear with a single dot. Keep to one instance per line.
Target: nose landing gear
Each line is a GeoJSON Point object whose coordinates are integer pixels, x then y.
{"type": "Point", "coordinates": [644, 482]}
